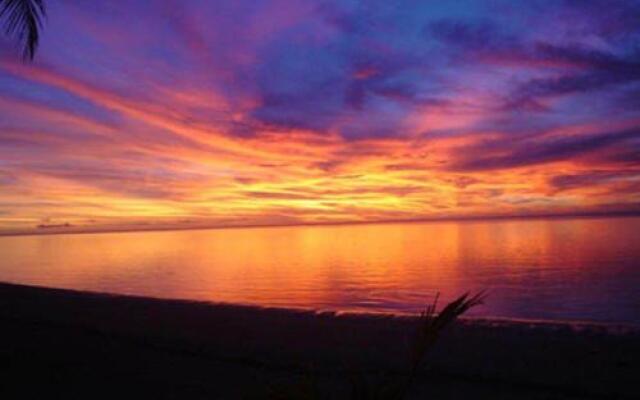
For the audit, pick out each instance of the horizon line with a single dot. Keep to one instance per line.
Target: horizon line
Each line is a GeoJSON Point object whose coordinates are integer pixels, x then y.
{"type": "Point", "coordinates": [68, 229]}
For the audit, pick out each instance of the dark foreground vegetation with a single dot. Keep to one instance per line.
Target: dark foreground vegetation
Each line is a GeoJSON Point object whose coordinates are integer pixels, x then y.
{"type": "Point", "coordinates": [72, 345]}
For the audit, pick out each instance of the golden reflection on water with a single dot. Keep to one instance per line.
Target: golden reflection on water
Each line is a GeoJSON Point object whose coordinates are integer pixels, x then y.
{"type": "Point", "coordinates": [577, 269]}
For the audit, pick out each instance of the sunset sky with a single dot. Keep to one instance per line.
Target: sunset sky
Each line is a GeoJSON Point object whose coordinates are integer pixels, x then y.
{"type": "Point", "coordinates": [215, 113]}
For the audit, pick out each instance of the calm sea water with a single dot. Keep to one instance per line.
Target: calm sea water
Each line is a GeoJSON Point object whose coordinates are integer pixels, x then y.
{"type": "Point", "coordinates": [569, 269]}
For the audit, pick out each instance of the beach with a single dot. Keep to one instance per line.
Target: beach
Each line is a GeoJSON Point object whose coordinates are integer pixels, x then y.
{"type": "Point", "coordinates": [72, 344]}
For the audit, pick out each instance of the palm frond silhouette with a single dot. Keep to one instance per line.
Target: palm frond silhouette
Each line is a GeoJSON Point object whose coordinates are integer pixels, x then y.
{"type": "Point", "coordinates": [23, 19]}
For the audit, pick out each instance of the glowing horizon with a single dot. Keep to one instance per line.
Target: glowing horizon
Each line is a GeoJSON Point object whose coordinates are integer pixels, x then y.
{"type": "Point", "coordinates": [280, 112]}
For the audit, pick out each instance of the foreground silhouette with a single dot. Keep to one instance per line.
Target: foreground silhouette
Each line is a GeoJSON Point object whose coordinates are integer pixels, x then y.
{"type": "Point", "coordinates": [23, 20]}
{"type": "Point", "coordinates": [429, 328]}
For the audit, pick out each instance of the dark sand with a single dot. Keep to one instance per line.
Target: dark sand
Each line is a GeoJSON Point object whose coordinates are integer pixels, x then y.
{"type": "Point", "coordinates": [66, 344]}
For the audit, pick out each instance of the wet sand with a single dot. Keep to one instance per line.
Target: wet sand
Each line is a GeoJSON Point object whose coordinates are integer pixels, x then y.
{"type": "Point", "coordinates": [68, 344]}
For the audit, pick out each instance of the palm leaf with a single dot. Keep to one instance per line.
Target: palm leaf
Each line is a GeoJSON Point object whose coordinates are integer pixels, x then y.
{"type": "Point", "coordinates": [432, 325]}
{"type": "Point", "coordinates": [23, 20]}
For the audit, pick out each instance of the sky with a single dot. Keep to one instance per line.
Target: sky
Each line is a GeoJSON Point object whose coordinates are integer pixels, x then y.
{"type": "Point", "coordinates": [173, 113]}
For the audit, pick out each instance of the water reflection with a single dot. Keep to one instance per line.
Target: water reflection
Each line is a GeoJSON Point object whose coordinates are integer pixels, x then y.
{"type": "Point", "coordinates": [558, 269]}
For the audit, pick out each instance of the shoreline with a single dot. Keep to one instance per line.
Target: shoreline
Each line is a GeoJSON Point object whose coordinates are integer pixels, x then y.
{"type": "Point", "coordinates": [509, 356]}
{"type": "Point", "coordinates": [538, 323]}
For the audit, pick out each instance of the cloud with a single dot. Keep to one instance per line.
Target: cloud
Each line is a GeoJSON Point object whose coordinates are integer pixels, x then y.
{"type": "Point", "coordinates": [477, 36]}
{"type": "Point", "coordinates": [600, 70]}
{"type": "Point", "coordinates": [534, 151]}
{"type": "Point", "coordinates": [594, 178]}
